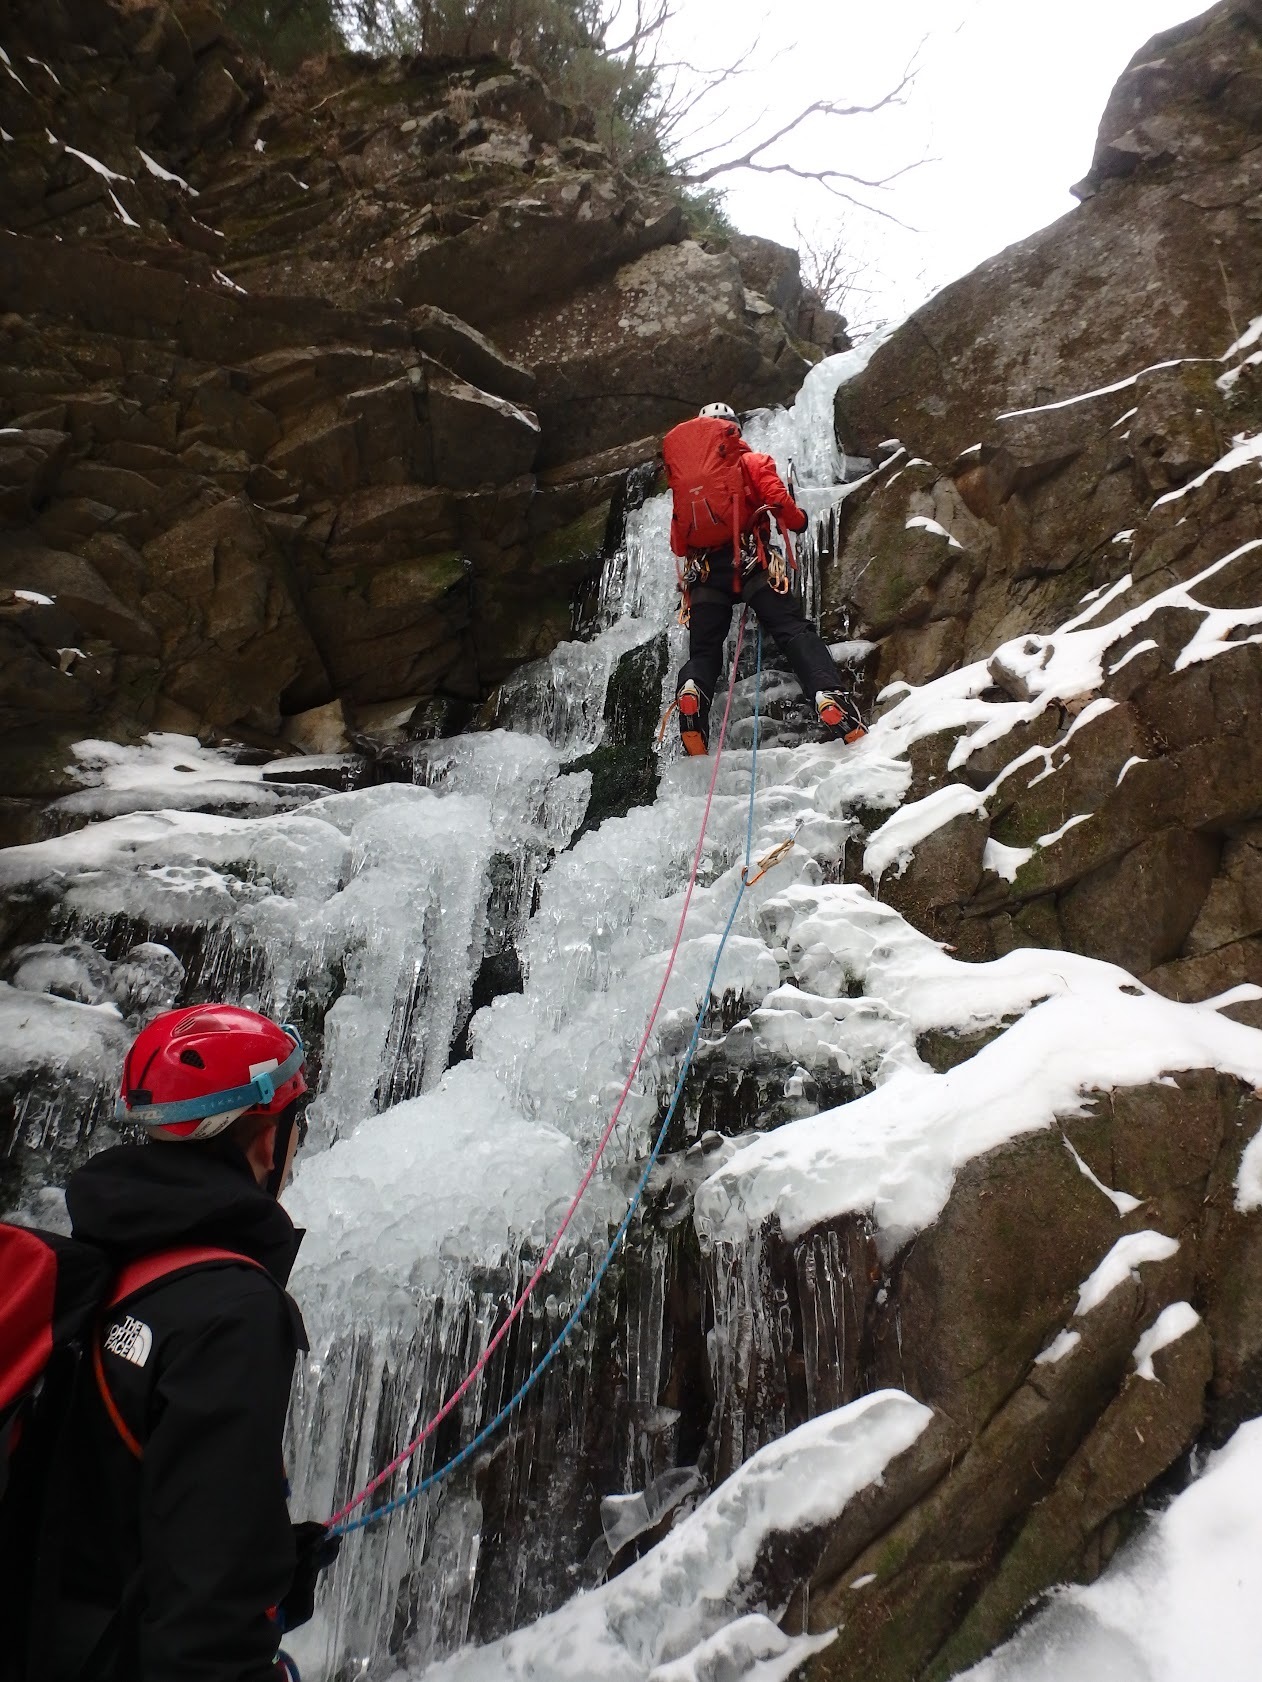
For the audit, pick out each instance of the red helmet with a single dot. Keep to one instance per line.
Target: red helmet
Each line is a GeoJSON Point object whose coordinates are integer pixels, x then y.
{"type": "Point", "coordinates": [192, 1072]}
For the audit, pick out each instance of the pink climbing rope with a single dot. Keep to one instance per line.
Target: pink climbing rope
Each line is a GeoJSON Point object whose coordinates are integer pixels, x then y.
{"type": "Point", "coordinates": [406, 1453]}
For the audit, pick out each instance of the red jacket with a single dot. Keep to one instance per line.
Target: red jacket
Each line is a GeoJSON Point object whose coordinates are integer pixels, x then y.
{"type": "Point", "coordinates": [769, 488]}
{"type": "Point", "coordinates": [765, 489]}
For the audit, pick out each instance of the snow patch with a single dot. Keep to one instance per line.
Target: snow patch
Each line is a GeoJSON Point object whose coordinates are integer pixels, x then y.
{"type": "Point", "coordinates": [921, 522]}
{"type": "Point", "coordinates": [1249, 1177]}
{"type": "Point", "coordinates": [1123, 1260]}
{"type": "Point", "coordinates": [1139, 648]}
{"type": "Point", "coordinates": [1054, 835]}
{"type": "Point", "coordinates": [898, 837]}
{"type": "Point", "coordinates": [1169, 1326]}
{"type": "Point", "coordinates": [1060, 1346]}
{"type": "Point", "coordinates": [120, 210]}
{"type": "Point", "coordinates": [1005, 861]}
{"type": "Point", "coordinates": [894, 1152]}
{"type": "Point", "coordinates": [172, 772]}
{"type": "Point", "coordinates": [156, 169]}
{"type": "Point", "coordinates": [1104, 390]}
{"type": "Point", "coordinates": [1226, 383]}
{"type": "Point", "coordinates": [1246, 341]}
{"type": "Point", "coordinates": [8, 65]}
{"type": "Point", "coordinates": [1098, 604]}
{"type": "Point", "coordinates": [752, 1648]}
{"type": "Point", "coordinates": [1122, 1201]}
{"type": "Point", "coordinates": [95, 164]}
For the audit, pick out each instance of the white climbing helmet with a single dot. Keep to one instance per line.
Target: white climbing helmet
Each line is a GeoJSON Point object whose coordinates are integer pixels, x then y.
{"type": "Point", "coordinates": [718, 411]}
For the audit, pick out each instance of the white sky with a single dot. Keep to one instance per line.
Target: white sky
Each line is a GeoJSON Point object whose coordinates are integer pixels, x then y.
{"type": "Point", "coordinates": [1005, 107]}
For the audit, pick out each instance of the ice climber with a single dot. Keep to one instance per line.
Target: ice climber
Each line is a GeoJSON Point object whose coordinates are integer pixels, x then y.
{"type": "Point", "coordinates": [146, 1527]}
{"type": "Point", "coordinates": [725, 498]}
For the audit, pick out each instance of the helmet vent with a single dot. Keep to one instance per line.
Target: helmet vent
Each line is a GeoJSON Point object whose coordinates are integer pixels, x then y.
{"type": "Point", "coordinates": [193, 1058]}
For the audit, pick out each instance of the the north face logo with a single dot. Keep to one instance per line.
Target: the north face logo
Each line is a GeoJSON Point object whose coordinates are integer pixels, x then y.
{"type": "Point", "coordinates": [131, 1339]}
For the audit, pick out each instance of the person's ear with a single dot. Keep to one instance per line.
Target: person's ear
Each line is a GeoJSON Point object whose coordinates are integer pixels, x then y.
{"type": "Point", "coordinates": [261, 1150]}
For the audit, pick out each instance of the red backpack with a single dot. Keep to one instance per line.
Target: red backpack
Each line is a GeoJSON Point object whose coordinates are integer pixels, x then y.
{"type": "Point", "coordinates": [706, 474]}
{"type": "Point", "coordinates": [54, 1292]}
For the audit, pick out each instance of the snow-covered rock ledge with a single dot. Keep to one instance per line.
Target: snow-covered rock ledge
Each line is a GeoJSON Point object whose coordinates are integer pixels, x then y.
{"type": "Point", "coordinates": [704, 1603]}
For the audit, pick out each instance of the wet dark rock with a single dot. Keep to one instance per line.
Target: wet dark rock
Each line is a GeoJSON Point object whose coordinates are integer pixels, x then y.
{"type": "Point", "coordinates": [1139, 911]}
{"type": "Point", "coordinates": [624, 767]}
{"type": "Point", "coordinates": [296, 329]}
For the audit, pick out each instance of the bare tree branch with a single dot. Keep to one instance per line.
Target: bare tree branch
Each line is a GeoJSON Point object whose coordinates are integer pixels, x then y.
{"type": "Point", "coordinates": [818, 108]}
{"type": "Point", "coordinates": [647, 28]}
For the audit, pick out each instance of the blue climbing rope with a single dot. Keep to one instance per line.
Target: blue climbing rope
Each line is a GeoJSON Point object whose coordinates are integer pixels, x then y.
{"type": "Point", "coordinates": [510, 1407]}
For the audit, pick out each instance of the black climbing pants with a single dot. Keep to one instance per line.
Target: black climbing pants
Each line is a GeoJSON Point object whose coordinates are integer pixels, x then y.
{"type": "Point", "coordinates": [799, 641]}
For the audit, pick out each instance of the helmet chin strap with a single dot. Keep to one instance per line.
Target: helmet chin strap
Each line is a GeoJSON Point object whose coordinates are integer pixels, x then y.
{"type": "Point", "coordinates": [284, 1133]}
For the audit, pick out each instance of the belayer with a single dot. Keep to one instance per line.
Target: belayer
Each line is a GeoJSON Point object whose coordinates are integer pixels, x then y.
{"type": "Point", "coordinates": [145, 1369]}
{"type": "Point", "coordinates": [725, 500]}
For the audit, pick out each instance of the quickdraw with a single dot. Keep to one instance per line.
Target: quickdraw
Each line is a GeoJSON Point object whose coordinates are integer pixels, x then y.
{"type": "Point", "coordinates": [770, 860]}
{"type": "Point", "coordinates": [761, 551]}
{"type": "Point", "coordinates": [695, 570]}
{"type": "Point", "coordinates": [778, 569]}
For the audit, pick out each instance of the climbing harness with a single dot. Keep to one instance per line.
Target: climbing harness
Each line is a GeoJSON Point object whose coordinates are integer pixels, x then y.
{"type": "Point", "coordinates": [342, 1523]}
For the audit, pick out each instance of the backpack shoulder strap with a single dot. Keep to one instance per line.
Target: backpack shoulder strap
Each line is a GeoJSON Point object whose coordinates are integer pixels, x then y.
{"type": "Point", "coordinates": [147, 1270]}
{"type": "Point", "coordinates": [138, 1276]}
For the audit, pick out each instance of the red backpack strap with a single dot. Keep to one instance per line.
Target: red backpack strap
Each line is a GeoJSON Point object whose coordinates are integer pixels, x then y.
{"type": "Point", "coordinates": [136, 1276]}
{"type": "Point", "coordinates": [147, 1270]}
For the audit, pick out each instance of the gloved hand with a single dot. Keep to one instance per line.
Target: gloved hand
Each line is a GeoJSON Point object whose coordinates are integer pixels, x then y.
{"type": "Point", "coordinates": [316, 1551]}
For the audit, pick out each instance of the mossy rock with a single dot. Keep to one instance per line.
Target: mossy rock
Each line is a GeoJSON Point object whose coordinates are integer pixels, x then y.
{"type": "Point", "coordinates": [574, 547]}
{"type": "Point", "coordinates": [419, 582]}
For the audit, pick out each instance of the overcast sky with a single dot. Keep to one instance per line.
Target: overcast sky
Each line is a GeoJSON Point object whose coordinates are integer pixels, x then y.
{"type": "Point", "coordinates": [1004, 108]}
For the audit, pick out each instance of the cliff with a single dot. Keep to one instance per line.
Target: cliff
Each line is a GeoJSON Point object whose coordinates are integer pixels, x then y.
{"type": "Point", "coordinates": [318, 393]}
{"type": "Point", "coordinates": [949, 1273]}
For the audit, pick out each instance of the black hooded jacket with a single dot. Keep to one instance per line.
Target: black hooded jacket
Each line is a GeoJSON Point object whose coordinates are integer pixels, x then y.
{"type": "Point", "coordinates": [192, 1541]}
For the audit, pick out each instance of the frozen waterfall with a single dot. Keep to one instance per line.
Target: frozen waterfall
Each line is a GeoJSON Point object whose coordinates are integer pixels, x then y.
{"type": "Point", "coordinates": [372, 916]}
{"type": "Point", "coordinates": [470, 933]}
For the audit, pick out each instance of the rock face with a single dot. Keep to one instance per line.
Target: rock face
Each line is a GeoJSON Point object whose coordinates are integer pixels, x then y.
{"type": "Point", "coordinates": [282, 363]}
{"type": "Point", "coordinates": [1155, 270]}
{"type": "Point", "coordinates": [1065, 451]}
{"type": "Point", "coordinates": [1045, 1432]}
